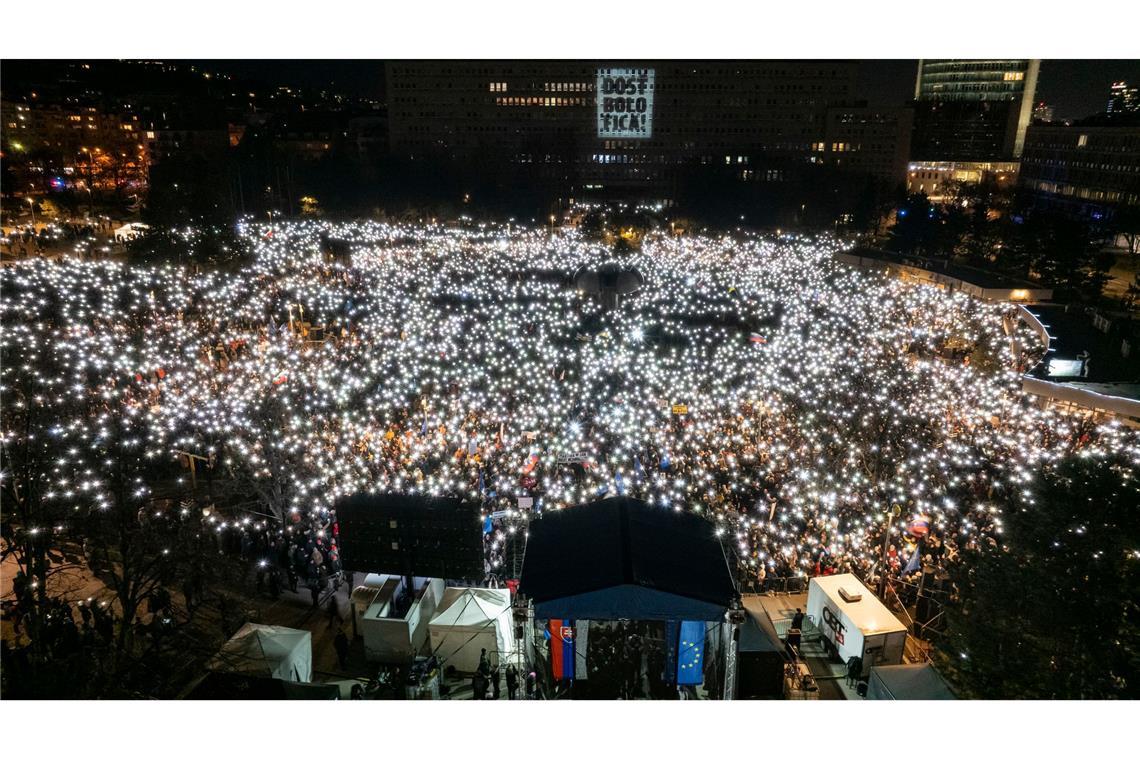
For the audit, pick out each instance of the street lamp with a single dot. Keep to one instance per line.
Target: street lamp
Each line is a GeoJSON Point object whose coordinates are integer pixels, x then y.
{"type": "Point", "coordinates": [32, 206]}
{"type": "Point", "coordinates": [552, 224]}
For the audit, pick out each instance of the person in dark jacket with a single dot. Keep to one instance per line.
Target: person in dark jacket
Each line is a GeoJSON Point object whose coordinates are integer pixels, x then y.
{"type": "Point", "coordinates": [484, 663]}
{"type": "Point", "coordinates": [512, 681]}
{"type": "Point", "coordinates": [479, 685]}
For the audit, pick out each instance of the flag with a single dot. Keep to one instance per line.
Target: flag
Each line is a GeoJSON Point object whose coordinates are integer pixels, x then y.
{"type": "Point", "coordinates": [638, 471]}
{"type": "Point", "coordinates": [757, 338]}
{"type": "Point", "coordinates": [691, 652]}
{"type": "Point", "coordinates": [423, 428]}
{"type": "Point", "coordinates": [665, 461]}
{"type": "Point", "coordinates": [530, 463]}
{"type": "Point", "coordinates": [488, 524]}
{"type": "Point", "coordinates": [913, 564]}
{"type": "Point", "coordinates": [482, 487]}
{"type": "Point", "coordinates": [562, 645]}
{"type": "Point", "coordinates": [603, 490]}
{"type": "Point", "coordinates": [919, 526]}
{"type": "Point", "coordinates": [620, 483]}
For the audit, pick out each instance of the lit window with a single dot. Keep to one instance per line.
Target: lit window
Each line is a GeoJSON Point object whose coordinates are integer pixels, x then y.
{"type": "Point", "coordinates": [1082, 141]}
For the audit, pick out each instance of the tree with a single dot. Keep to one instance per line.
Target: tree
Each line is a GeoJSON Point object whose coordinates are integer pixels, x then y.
{"type": "Point", "coordinates": [922, 228]}
{"type": "Point", "coordinates": [1063, 253]}
{"type": "Point", "coordinates": [1052, 609]}
{"type": "Point", "coordinates": [1126, 223]}
{"type": "Point", "coordinates": [33, 466]}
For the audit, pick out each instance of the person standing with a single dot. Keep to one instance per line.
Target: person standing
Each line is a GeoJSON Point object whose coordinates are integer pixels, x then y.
{"type": "Point", "coordinates": [275, 583]}
{"type": "Point", "coordinates": [512, 681]}
{"type": "Point", "coordinates": [479, 685]}
{"type": "Point", "coordinates": [484, 663]}
{"type": "Point", "coordinates": [334, 611]}
{"type": "Point", "coordinates": [495, 682]}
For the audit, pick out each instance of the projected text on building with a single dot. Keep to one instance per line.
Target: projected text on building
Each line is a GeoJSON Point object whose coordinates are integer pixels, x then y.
{"type": "Point", "coordinates": [625, 103]}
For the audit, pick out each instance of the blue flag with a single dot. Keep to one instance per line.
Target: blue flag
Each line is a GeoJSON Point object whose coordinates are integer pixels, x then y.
{"type": "Point", "coordinates": [691, 652]}
{"type": "Point", "coordinates": [488, 524]}
{"type": "Point", "coordinates": [665, 461]}
{"type": "Point", "coordinates": [638, 471]}
{"type": "Point", "coordinates": [619, 483]}
{"type": "Point", "coordinates": [913, 564]}
{"type": "Point", "coordinates": [482, 488]}
{"type": "Point", "coordinates": [423, 430]}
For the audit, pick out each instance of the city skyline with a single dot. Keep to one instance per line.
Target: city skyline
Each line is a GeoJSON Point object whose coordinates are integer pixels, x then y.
{"type": "Point", "coordinates": [1076, 88]}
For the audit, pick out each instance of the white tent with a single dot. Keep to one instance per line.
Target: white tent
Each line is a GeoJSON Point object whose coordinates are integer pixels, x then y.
{"type": "Point", "coordinates": [130, 231]}
{"type": "Point", "coordinates": [468, 620]}
{"type": "Point", "coordinates": [268, 650]}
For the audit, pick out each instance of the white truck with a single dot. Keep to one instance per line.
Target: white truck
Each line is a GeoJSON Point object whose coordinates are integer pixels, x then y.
{"type": "Point", "coordinates": [853, 622]}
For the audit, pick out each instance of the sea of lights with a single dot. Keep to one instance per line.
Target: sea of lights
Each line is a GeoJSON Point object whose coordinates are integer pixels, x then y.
{"type": "Point", "coordinates": [461, 361]}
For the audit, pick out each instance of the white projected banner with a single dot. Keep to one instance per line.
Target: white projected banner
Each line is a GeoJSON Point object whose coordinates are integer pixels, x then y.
{"type": "Point", "coordinates": [1065, 367]}
{"type": "Point", "coordinates": [625, 103]}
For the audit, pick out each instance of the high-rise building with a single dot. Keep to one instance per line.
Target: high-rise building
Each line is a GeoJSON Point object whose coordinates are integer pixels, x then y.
{"type": "Point", "coordinates": [971, 110]}
{"type": "Point", "coordinates": [1122, 98]}
{"type": "Point", "coordinates": [636, 126]}
{"type": "Point", "coordinates": [970, 118]}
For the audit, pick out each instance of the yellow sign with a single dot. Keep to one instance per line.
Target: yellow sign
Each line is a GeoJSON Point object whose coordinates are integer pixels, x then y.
{"type": "Point", "coordinates": [680, 409]}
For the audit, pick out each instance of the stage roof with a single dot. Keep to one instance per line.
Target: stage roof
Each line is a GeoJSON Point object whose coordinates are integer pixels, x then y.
{"type": "Point", "coordinates": [621, 558]}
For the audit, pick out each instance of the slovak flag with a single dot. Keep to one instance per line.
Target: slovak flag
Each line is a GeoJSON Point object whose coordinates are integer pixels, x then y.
{"type": "Point", "coordinates": [531, 461]}
{"type": "Point", "coordinates": [568, 648]}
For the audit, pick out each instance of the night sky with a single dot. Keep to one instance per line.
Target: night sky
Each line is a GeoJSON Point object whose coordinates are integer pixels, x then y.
{"type": "Point", "coordinates": [1075, 87]}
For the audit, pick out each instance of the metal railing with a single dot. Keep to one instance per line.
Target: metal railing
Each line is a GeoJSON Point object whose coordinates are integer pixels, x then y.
{"type": "Point", "coordinates": [788, 585]}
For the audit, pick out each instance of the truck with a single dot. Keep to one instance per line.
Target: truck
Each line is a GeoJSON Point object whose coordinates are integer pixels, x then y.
{"type": "Point", "coordinates": [854, 623]}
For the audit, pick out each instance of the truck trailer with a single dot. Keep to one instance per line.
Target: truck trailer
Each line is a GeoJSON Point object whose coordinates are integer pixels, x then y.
{"type": "Point", "coordinates": [854, 623]}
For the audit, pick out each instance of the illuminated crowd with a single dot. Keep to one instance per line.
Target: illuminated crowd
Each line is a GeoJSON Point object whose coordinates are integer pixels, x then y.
{"type": "Point", "coordinates": [794, 401]}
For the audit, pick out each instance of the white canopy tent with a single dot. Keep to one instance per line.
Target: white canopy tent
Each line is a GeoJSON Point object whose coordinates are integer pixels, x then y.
{"type": "Point", "coordinates": [468, 620]}
{"type": "Point", "coordinates": [130, 231]}
{"type": "Point", "coordinates": [268, 650]}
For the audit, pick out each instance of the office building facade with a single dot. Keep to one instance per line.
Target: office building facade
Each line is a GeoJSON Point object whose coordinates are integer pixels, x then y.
{"type": "Point", "coordinates": [970, 119]}
{"type": "Point", "coordinates": [1122, 99]}
{"type": "Point", "coordinates": [636, 127]}
{"type": "Point", "coordinates": [1087, 171]}
{"type": "Point", "coordinates": [969, 110]}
